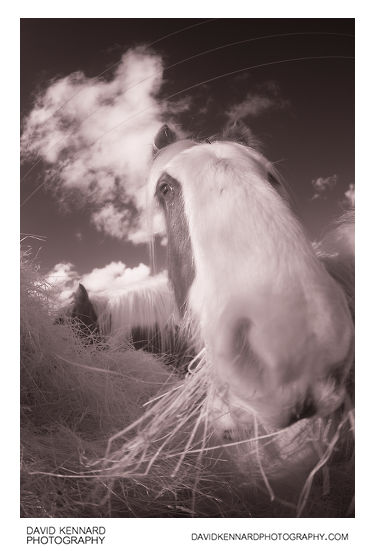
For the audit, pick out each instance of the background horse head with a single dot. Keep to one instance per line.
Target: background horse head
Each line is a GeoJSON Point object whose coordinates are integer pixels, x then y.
{"type": "Point", "coordinates": [275, 324]}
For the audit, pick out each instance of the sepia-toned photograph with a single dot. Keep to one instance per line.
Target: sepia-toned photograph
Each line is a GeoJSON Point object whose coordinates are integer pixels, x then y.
{"type": "Point", "coordinates": [187, 268]}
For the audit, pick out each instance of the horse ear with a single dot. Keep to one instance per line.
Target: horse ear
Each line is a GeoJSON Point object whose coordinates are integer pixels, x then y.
{"type": "Point", "coordinates": [164, 137]}
{"type": "Point", "coordinates": [238, 131]}
{"type": "Point", "coordinates": [83, 310]}
{"type": "Point", "coordinates": [82, 294]}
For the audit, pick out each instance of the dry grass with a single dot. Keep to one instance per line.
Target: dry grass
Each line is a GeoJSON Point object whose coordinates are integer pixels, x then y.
{"type": "Point", "coordinates": [111, 432]}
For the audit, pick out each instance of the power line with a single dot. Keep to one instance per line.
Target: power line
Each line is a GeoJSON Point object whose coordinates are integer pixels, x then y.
{"type": "Point", "coordinates": [190, 58]}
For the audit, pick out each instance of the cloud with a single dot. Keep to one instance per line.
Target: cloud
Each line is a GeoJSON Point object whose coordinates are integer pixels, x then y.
{"type": "Point", "coordinates": [251, 105]}
{"type": "Point", "coordinates": [96, 137]}
{"type": "Point", "coordinates": [255, 104]}
{"type": "Point", "coordinates": [113, 221]}
{"type": "Point", "coordinates": [323, 185]}
{"type": "Point", "coordinates": [111, 279]}
{"type": "Point", "coordinates": [349, 195]}
{"type": "Point", "coordinates": [114, 277]}
{"type": "Point", "coordinates": [64, 279]}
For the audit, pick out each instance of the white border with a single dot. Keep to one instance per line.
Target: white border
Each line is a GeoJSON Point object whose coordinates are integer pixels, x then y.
{"type": "Point", "coordinates": [171, 533]}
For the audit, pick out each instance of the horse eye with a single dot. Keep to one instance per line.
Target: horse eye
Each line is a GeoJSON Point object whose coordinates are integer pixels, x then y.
{"type": "Point", "coordinates": [165, 188]}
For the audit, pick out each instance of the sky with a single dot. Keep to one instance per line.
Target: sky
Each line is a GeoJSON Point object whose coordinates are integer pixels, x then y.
{"type": "Point", "coordinates": [95, 91]}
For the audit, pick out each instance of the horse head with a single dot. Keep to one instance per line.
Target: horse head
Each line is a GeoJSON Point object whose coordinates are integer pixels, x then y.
{"type": "Point", "coordinates": [275, 324]}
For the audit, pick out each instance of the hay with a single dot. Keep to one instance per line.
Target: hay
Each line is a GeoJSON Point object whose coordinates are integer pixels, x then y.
{"type": "Point", "coordinates": [284, 471]}
{"type": "Point", "coordinates": [73, 397]}
{"type": "Point", "coordinates": [110, 431]}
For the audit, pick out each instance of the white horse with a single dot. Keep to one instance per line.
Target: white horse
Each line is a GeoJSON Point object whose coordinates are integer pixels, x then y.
{"type": "Point", "coordinates": [268, 314]}
{"type": "Point", "coordinates": [276, 326]}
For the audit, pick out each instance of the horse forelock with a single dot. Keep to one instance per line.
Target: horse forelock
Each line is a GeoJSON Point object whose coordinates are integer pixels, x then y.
{"type": "Point", "coordinates": [241, 176]}
{"type": "Point", "coordinates": [181, 161]}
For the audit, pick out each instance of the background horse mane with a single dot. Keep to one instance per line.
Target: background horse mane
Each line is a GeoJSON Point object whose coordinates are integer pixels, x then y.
{"type": "Point", "coordinates": [147, 304]}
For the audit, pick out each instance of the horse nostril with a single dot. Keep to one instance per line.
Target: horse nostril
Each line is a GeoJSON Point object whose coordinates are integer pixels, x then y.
{"type": "Point", "coordinates": [308, 409]}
